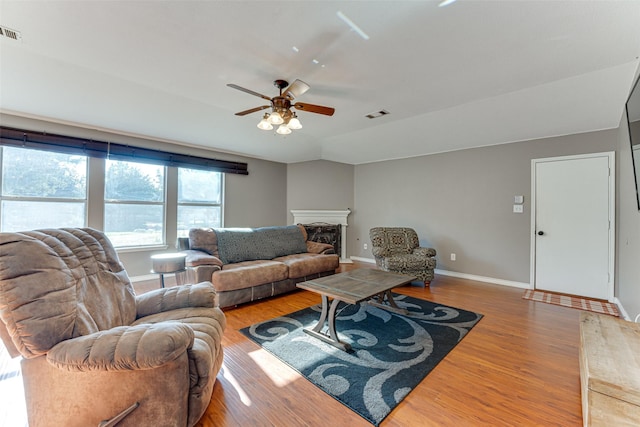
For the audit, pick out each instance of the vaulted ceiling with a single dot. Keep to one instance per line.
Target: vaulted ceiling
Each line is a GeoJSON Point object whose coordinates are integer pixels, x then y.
{"type": "Point", "coordinates": [473, 73]}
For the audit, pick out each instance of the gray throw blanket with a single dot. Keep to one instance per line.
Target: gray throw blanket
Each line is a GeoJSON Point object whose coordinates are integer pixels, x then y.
{"type": "Point", "coordinates": [236, 245]}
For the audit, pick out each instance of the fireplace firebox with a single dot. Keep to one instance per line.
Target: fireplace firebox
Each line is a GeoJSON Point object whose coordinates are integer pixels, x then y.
{"type": "Point", "coordinates": [321, 224]}
{"type": "Point", "coordinates": [323, 232]}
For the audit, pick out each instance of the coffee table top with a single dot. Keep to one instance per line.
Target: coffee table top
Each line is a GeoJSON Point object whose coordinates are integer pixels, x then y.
{"type": "Point", "coordinates": [356, 285]}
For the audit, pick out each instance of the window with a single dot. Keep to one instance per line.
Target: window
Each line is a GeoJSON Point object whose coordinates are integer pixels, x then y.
{"type": "Point", "coordinates": [199, 200]}
{"type": "Point", "coordinates": [42, 190]}
{"type": "Point", "coordinates": [134, 203]}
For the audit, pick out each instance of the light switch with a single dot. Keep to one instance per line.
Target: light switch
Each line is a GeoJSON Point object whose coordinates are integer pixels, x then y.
{"type": "Point", "coordinates": [518, 209]}
{"type": "Point", "coordinates": [518, 199]}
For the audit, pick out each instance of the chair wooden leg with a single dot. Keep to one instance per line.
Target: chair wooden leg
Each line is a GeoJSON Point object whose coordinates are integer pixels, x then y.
{"type": "Point", "coordinates": [427, 283]}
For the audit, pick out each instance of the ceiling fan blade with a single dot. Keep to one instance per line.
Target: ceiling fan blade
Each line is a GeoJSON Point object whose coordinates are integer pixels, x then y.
{"type": "Point", "coordinates": [249, 91]}
{"type": "Point", "coordinates": [253, 110]}
{"type": "Point", "coordinates": [327, 111]}
{"type": "Point", "coordinates": [296, 89]}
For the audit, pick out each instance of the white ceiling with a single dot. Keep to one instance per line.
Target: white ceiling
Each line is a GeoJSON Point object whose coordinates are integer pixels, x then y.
{"type": "Point", "coordinates": [470, 74]}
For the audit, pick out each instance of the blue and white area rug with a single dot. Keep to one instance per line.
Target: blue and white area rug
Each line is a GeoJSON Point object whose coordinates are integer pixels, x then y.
{"type": "Point", "coordinates": [391, 353]}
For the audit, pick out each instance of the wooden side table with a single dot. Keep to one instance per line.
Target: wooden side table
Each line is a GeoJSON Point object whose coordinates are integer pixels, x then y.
{"type": "Point", "coordinates": [171, 263]}
{"type": "Point", "coordinates": [609, 367]}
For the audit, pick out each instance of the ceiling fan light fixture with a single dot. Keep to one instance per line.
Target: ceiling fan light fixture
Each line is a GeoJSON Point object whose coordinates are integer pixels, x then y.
{"type": "Point", "coordinates": [275, 118]}
{"type": "Point", "coordinates": [294, 123]}
{"type": "Point", "coordinates": [281, 114]}
{"type": "Point", "coordinates": [283, 130]}
{"type": "Point", "coordinates": [264, 123]}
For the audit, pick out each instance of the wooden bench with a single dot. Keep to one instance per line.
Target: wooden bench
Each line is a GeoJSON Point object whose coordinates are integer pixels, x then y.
{"type": "Point", "coordinates": [609, 370]}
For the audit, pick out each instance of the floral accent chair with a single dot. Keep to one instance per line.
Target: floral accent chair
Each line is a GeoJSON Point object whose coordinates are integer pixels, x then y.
{"type": "Point", "coordinates": [397, 249]}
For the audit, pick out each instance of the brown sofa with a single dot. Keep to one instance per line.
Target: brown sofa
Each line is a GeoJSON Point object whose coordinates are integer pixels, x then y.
{"type": "Point", "coordinates": [249, 264]}
{"type": "Point", "coordinates": [91, 348]}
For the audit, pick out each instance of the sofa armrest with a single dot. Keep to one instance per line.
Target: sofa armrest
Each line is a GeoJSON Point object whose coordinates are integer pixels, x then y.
{"type": "Point", "coordinates": [319, 248]}
{"type": "Point", "coordinates": [166, 299]}
{"type": "Point", "coordinates": [425, 252]}
{"type": "Point", "coordinates": [182, 243]}
{"type": "Point", "coordinates": [378, 251]}
{"type": "Point", "coordinates": [196, 258]}
{"type": "Point", "coordinates": [204, 273]}
{"type": "Point", "coordinates": [123, 348]}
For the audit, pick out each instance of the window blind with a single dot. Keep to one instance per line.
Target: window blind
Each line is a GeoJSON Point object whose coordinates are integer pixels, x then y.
{"type": "Point", "coordinates": [109, 150]}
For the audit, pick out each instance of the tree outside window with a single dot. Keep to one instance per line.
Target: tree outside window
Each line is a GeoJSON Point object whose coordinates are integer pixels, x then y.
{"type": "Point", "coordinates": [134, 203]}
{"type": "Point", "coordinates": [41, 189]}
{"type": "Point", "coordinates": [199, 200]}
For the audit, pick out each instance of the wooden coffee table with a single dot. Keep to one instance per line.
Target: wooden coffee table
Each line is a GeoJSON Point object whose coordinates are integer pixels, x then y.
{"type": "Point", "coordinates": [352, 287]}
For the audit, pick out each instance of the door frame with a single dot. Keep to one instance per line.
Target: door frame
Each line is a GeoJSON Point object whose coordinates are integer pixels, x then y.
{"type": "Point", "coordinates": [612, 214]}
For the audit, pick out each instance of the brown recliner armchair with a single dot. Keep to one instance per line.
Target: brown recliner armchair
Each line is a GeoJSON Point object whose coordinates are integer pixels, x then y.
{"type": "Point", "coordinates": [94, 353]}
{"type": "Point", "coordinates": [397, 249]}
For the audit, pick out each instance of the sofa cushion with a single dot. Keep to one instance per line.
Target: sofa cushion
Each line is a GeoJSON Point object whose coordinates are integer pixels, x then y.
{"type": "Point", "coordinates": [301, 265]}
{"type": "Point", "coordinates": [388, 241]}
{"type": "Point", "coordinates": [247, 274]}
{"type": "Point", "coordinates": [320, 248]}
{"type": "Point", "coordinates": [203, 239]}
{"type": "Point", "coordinates": [237, 245]}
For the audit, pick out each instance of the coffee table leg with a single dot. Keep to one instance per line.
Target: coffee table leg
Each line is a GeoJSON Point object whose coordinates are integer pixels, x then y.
{"type": "Point", "coordinates": [328, 314]}
{"type": "Point", "coordinates": [390, 305]}
{"type": "Point", "coordinates": [323, 315]}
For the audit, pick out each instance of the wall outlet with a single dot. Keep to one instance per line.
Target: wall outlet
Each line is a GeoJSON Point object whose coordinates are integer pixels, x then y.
{"type": "Point", "coordinates": [453, 257]}
{"type": "Point", "coordinates": [518, 209]}
{"type": "Point", "coordinates": [365, 246]}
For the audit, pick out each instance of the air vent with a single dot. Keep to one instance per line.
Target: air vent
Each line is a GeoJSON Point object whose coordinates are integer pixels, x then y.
{"type": "Point", "coordinates": [377, 114]}
{"type": "Point", "coordinates": [10, 34]}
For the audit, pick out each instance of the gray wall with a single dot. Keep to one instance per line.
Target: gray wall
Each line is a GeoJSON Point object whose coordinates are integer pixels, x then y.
{"type": "Point", "coordinates": [458, 202]}
{"type": "Point", "coordinates": [258, 199]}
{"type": "Point", "coordinates": [319, 184]}
{"type": "Point", "coordinates": [461, 202]}
{"type": "Point", "coordinates": [628, 227]}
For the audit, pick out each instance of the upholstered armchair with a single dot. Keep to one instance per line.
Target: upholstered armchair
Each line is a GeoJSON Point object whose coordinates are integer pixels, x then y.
{"type": "Point", "coordinates": [397, 249]}
{"type": "Point", "coordinates": [94, 353]}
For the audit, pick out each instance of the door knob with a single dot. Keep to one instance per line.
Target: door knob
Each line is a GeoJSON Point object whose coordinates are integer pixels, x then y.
{"type": "Point", "coordinates": [540, 233]}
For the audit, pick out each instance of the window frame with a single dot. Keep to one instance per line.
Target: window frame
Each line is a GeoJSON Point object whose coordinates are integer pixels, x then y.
{"type": "Point", "coordinates": [220, 205]}
{"type": "Point", "coordinates": [163, 203]}
{"type": "Point", "coordinates": [84, 200]}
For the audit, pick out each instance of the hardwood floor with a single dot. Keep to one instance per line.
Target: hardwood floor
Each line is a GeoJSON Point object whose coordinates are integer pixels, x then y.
{"type": "Point", "coordinates": [518, 366]}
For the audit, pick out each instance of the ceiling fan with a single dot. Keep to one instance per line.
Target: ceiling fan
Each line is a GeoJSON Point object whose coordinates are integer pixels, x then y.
{"type": "Point", "coordinates": [281, 105]}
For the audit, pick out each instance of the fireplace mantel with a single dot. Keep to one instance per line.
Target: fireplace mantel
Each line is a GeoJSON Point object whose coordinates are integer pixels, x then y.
{"type": "Point", "coordinates": [329, 217]}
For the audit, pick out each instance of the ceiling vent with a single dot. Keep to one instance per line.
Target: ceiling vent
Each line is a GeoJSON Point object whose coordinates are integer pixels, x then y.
{"type": "Point", "coordinates": [377, 114]}
{"type": "Point", "coordinates": [10, 34]}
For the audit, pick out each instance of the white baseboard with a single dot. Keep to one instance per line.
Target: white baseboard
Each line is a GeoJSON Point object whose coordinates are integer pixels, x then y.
{"type": "Point", "coordinates": [361, 259]}
{"type": "Point", "coordinates": [511, 283]}
{"type": "Point", "coordinates": [485, 279]}
{"type": "Point", "coordinates": [153, 280]}
{"type": "Point", "coordinates": [621, 309]}
{"type": "Point", "coordinates": [144, 278]}
{"type": "Point", "coordinates": [493, 280]}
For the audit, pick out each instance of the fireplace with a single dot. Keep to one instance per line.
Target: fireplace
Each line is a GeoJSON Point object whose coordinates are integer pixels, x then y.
{"type": "Point", "coordinates": [325, 233]}
{"type": "Point", "coordinates": [326, 226]}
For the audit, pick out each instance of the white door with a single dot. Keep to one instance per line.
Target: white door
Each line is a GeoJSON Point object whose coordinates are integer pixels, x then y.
{"type": "Point", "coordinates": [573, 225]}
